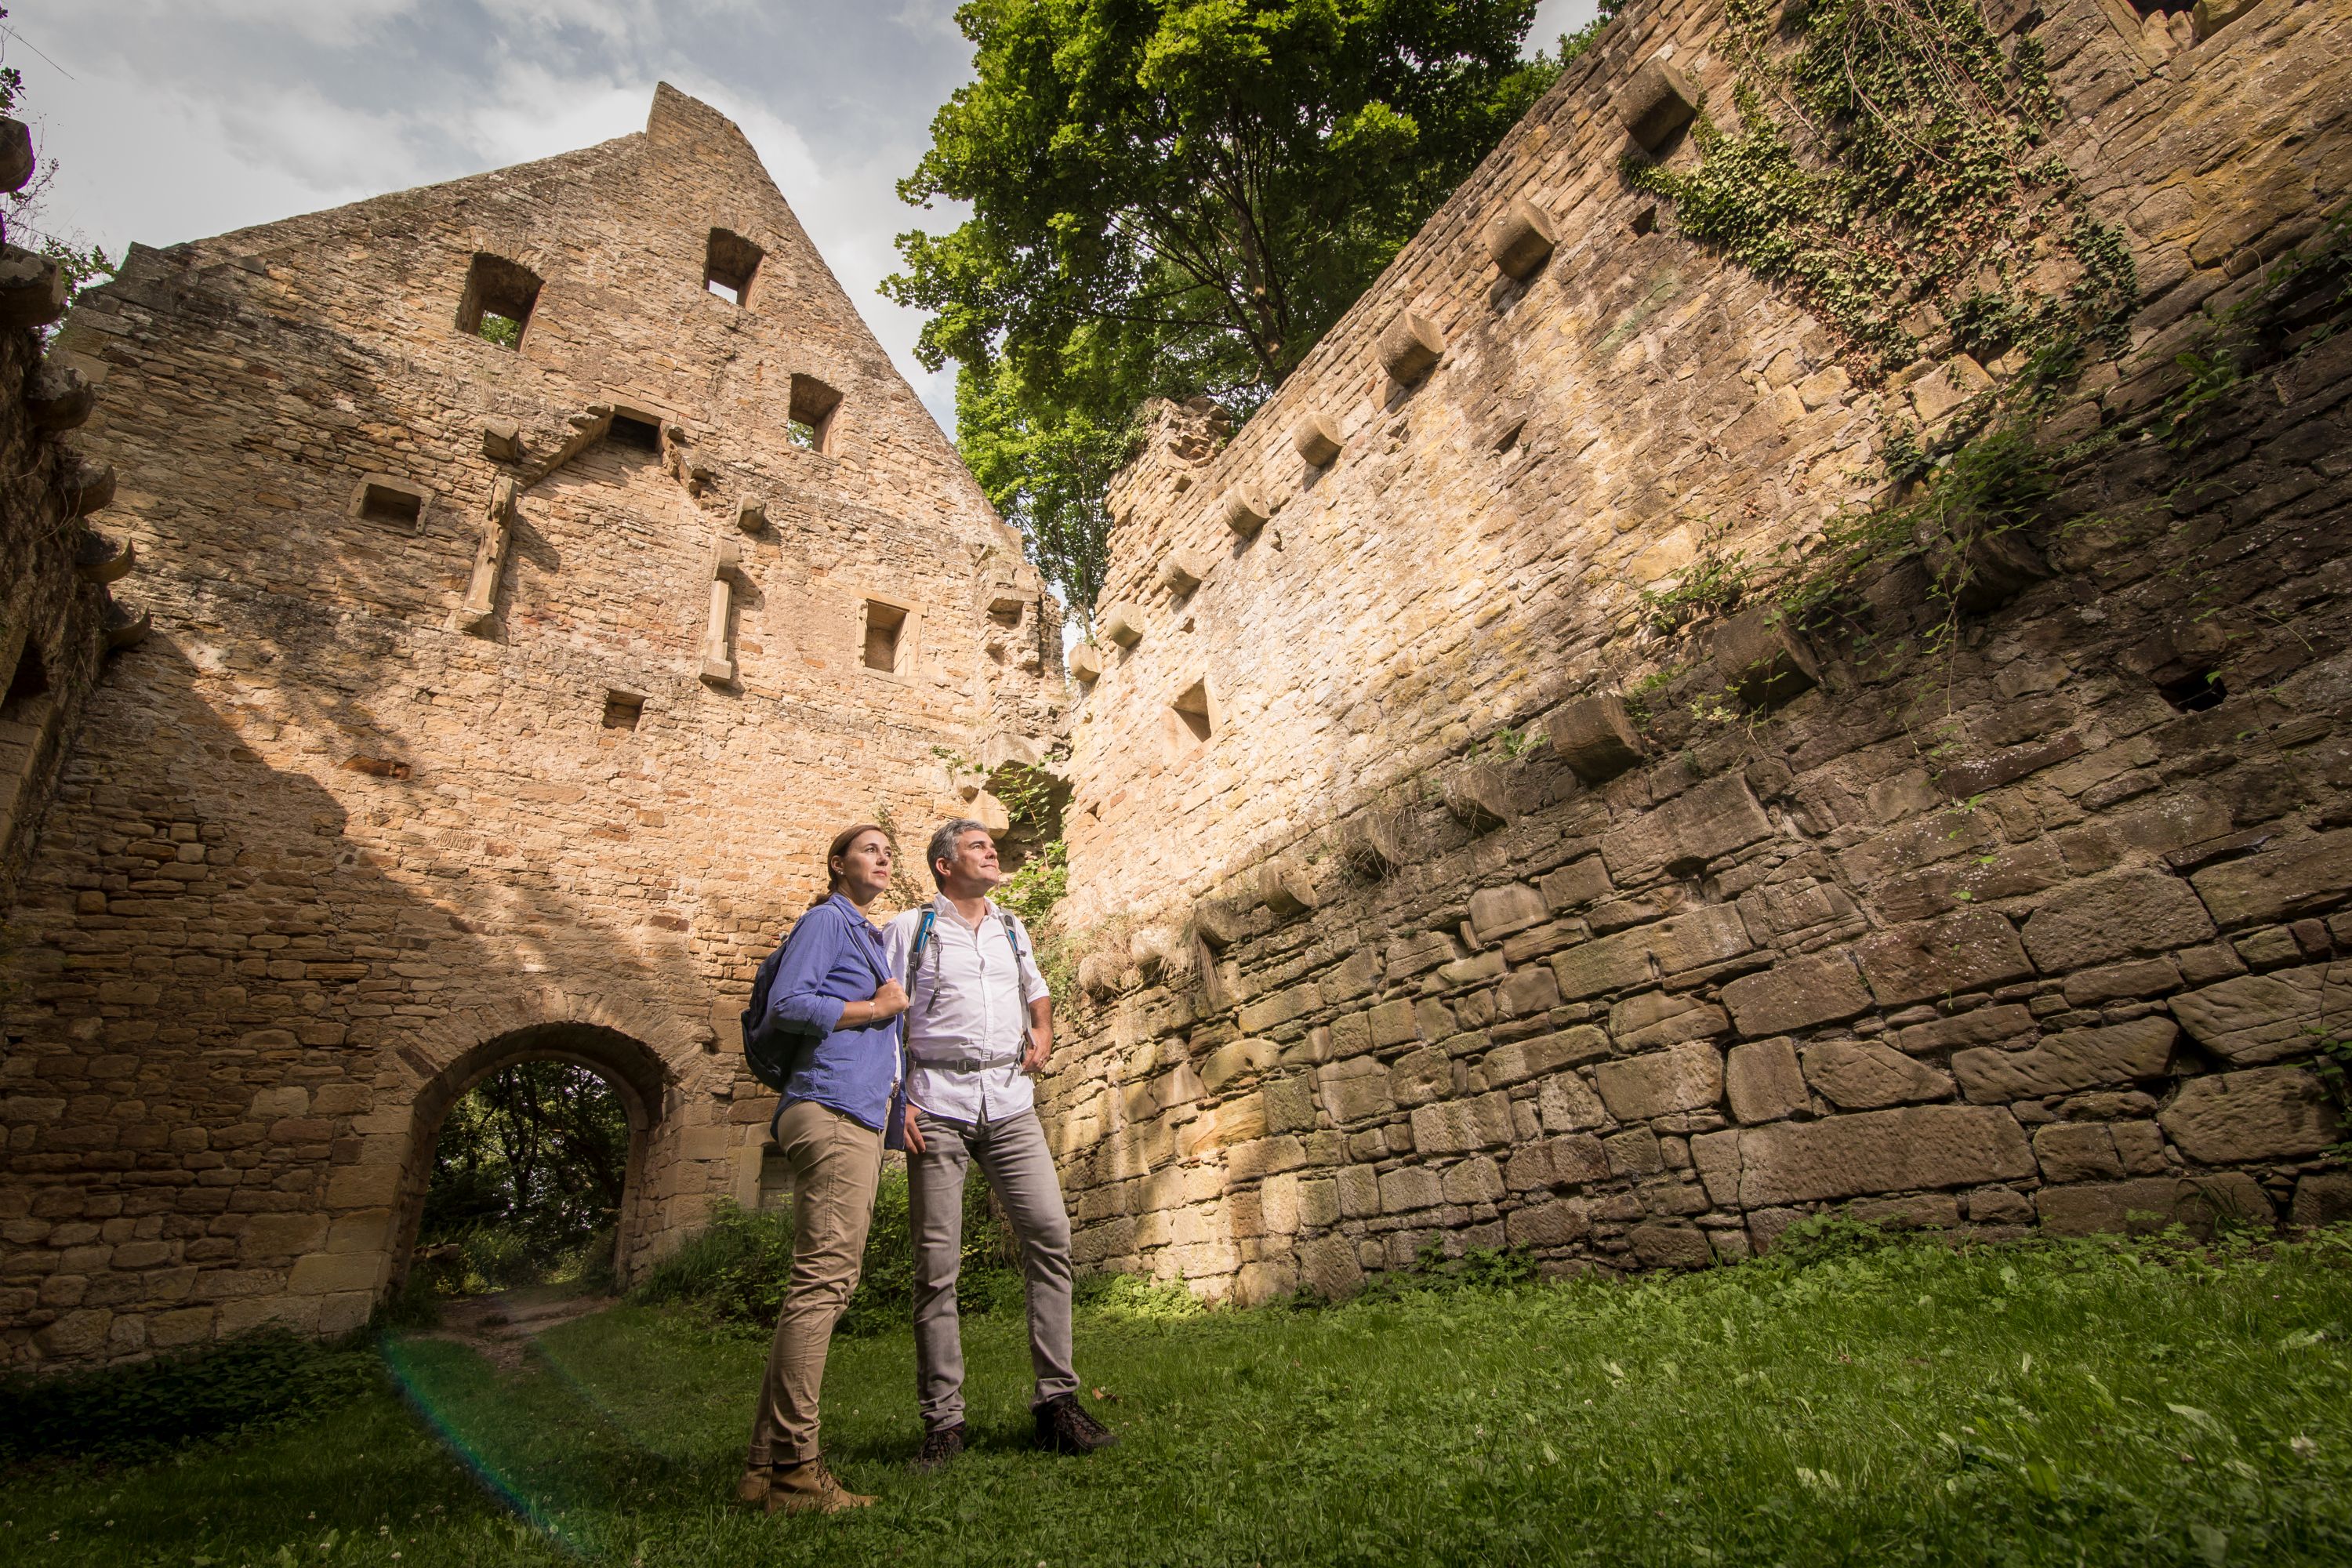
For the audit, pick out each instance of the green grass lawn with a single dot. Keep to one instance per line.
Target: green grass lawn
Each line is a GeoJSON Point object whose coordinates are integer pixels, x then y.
{"type": "Point", "coordinates": [2062, 1403]}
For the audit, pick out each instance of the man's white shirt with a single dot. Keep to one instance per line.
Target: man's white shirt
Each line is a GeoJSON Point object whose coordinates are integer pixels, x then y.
{"type": "Point", "coordinates": [968, 1021]}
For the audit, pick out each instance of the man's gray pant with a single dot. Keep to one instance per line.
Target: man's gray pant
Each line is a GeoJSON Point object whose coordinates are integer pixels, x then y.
{"type": "Point", "coordinates": [1012, 1156]}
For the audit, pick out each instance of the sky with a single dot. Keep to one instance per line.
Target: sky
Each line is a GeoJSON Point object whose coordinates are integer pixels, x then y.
{"type": "Point", "coordinates": [173, 119]}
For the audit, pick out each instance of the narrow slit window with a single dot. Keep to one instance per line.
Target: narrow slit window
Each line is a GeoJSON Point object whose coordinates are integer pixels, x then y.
{"type": "Point", "coordinates": [28, 680]}
{"type": "Point", "coordinates": [498, 301]}
{"type": "Point", "coordinates": [729, 266]}
{"type": "Point", "coordinates": [623, 709]}
{"type": "Point", "coordinates": [637, 435]}
{"type": "Point", "coordinates": [1192, 710]}
{"type": "Point", "coordinates": [810, 417]}
{"type": "Point", "coordinates": [885, 625]}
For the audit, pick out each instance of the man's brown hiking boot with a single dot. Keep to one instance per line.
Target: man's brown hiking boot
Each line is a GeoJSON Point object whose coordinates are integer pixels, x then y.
{"type": "Point", "coordinates": [939, 1447]}
{"type": "Point", "coordinates": [1064, 1429]}
{"type": "Point", "coordinates": [810, 1488]}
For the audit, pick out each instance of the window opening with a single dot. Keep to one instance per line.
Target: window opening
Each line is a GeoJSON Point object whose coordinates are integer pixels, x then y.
{"type": "Point", "coordinates": [393, 507]}
{"type": "Point", "coordinates": [810, 417]}
{"type": "Point", "coordinates": [1192, 710]}
{"type": "Point", "coordinates": [497, 304]}
{"type": "Point", "coordinates": [623, 709]}
{"type": "Point", "coordinates": [885, 623]}
{"type": "Point", "coordinates": [729, 266]}
{"type": "Point", "coordinates": [29, 679]}
{"type": "Point", "coordinates": [640, 434]}
{"type": "Point", "coordinates": [2194, 693]}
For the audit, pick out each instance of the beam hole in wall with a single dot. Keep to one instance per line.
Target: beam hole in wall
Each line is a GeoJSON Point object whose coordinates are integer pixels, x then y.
{"type": "Point", "coordinates": [1191, 713]}
{"type": "Point", "coordinates": [810, 417]}
{"type": "Point", "coordinates": [636, 435]}
{"type": "Point", "coordinates": [729, 265]}
{"type": "Point", "coordinates": [498, 301]}
{"type": "Point", "coordinates": [2194, 693]}
{"type": "Point", "coordinates": [1644, 221]}
{"type": "Point", "coordinates": [886, 625]}
{"type": "Point", "coordinates": [623, 708]}
{"type": "Point", "coordinates": [28, 680]}
{"type": "Point", "coordinates": [390, 505]}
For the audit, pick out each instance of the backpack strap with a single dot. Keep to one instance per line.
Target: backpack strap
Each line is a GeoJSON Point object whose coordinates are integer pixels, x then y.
{"type": "Point", "coordinates": [915, 953]}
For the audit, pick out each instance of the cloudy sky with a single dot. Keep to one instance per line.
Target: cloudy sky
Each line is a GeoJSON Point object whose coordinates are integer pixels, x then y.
{"type": "Point", "coordinates": [172, 119]}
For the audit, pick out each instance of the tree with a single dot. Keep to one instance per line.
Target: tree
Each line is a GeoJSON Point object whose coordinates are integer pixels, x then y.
{"type": "Point", "coordinates": [1178, 198]}
{"type": "Point", "coordinates": [540, 1150]}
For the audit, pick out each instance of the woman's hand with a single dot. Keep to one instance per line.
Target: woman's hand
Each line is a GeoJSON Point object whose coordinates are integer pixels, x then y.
{"type": "Point", "coordinates": [889, 1001]}
{"type": "Point", "coordinates": [914, 1133]}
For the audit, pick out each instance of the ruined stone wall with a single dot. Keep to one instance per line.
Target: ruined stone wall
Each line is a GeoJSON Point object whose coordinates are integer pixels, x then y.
{"type": "Point", "coordinates": [499, 705]}
{"type": "Point", "coordinates": [2030, 930]}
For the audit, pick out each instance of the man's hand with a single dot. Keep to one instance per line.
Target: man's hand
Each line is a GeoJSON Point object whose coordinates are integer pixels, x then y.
{"type": "Point", "coordinates": [914, 1133]}
{"type": "Point", "coordinates": [1033, 1058]}
{"type": "Point", "coordinates": [889, 1001]}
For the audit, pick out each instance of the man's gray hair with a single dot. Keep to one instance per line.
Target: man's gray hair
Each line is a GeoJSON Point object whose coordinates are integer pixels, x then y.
{"type": "Point", "coordinates": [943, 842]}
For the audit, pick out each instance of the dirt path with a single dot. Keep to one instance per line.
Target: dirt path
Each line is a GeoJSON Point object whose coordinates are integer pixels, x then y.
{"type": "Point", "coordinates": [501, 1325]}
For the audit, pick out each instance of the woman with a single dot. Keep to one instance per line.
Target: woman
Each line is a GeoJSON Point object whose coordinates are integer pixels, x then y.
{"type": "Point", "coordinates": [833, 987]}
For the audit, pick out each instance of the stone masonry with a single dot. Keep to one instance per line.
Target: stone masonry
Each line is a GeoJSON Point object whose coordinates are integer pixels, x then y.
{"type": "Point", "coordinates": [501, 698]}
{"type": "Point", "coordinates": [2043, 929]}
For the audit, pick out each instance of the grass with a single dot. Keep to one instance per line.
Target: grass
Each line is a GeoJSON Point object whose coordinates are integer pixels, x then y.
{"type": "Point", "coordinates": [2060, 1403]}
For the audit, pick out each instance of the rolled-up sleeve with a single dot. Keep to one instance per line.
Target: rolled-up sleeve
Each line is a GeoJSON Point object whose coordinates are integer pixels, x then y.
{"type": "Point", "coordinates": [795, 1003]}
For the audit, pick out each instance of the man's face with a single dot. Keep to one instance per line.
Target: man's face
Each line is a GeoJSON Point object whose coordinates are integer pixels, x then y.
{"type": "Point", "coordinates": [974, 865]}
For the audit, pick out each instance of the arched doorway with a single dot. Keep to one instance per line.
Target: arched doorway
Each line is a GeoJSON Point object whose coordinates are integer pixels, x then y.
{"type": "Point", "coordinates": [627, 1066]}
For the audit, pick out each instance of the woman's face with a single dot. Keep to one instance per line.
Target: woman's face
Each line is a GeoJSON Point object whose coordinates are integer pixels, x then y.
{"type": "Point", "coordinates": [864, 867]}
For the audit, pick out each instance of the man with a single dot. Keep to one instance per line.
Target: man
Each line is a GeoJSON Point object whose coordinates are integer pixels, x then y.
{"type": "Point", "coordinates": [979, 1021]}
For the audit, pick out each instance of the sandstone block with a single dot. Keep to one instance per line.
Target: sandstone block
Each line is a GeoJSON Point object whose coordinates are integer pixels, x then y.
{"type": "Point", "coordinates": [1763, 659]}
{"type": "Point", "coordinates": [1122, 623]}
{"type": "Point", "coordinates": [1684, 1077]}
{"type": "Point", "coordinates": [2294, 878]}
{"type": "Point", "coordinates": [2255, 1018]}
{"type": "Point", "coordinates": [1568, 1105]}
{"type": "Point", "coordinates": [274, 1236]}
{"type": "Point", "coordinates": [1577, 882]}
{"type": "Point", "coordinates": [1615, 963]}
{"type": "Point", "coordinates": [1328, 1266]}
{"type": "Point", "coordinates": [2118, 916]}
{"type": "Point", "coordinates": [1289, 1105]}
{"type": "Point", "coordinates": [1316, 438]}
{"type": "Point", "coordinates": [2068, 1061]}
{"type": "Point", "coordinates": [1554, 1224]}
{"type": "Point", "coordinates": [1086, 664]}
{"type": "Point", "coordinates": [1408, 1188]}
{"type": "Point", "coordinates": [1236, 1059]}
{"type": "Point", "coordinates": [1795, 994]}
{"type": "Point", "coordinates": [1977, 1027]}
{"type": "Point", "coordinates": [2077, 1151]}
{"type": "Point", "coordinates": [1648, 1019]}
{"type": "Point", "coordinates": [1966, 951]}
{"type": "Point", "coordinates": [1472, 1181]}
{"type": "Point", "coordinates": [16, 160]}
{"type": "Point", "coordinates": [1717, 1156]}
{"type": "Point", "coordinates": [2263, 1113]}
{"type": "Point", "coordinates": [1457, 1126]}
{"type": "Point", "coordinates": [33, 293]}
{"type": "Point", "coordinates": [1856, 1075]}
{"type": "Point", "coordinates": [2149, 1205]}
{"type": "Point", "coordinates": [321, 1273]}
{"type": "Point", "coordinates": [1671, 1247]}
{"type": "Point", "coordinates": [1520, 238]}
{"type": "Point", "coordinates": [1354, 1089]}
{"type": "Point", "coordinates": [2322, 1197]}
{"type": "Point", "coordinates": [1656, 102]}
{"type": "Point", "coordinates": [1421, 1076]}
{"type": "Point", "coordinates": [1926, 1146]}
{"type": "Point", "coordinates": [58, 397]}
{"type": "Point", "coordinates": [1409, 348]}
{"type": "Point", "coordinates": [1594, 737]}
{"type": "Point", "coordinates": [1529, 992]}
{"type": "Point", "coordinates": [1763, 1083]}
{"type": "Point", "coordinates": [1703, 823]}
{"type": "Point", "coordinates": [1496, 913]}
{"type": "Point", "coordinates": [1360, 1191]}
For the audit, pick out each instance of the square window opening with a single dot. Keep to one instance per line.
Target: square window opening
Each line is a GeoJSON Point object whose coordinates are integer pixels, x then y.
{"type": "Point", "coordinates": [637, 435]}
{"type": "Point", "coordinates": [884, 625]}
{"type": "Point", "coordinates": [498, 301]}
{"type": "Point", "coordinates": [392, 506]}
{"type": "Point", "coordinates": [1192, 710]}
{"type": "Point", "coordinates": [623, 709]}
{"type": "Point", "coordinates": [809, 420]}
{"type": "Point", "coordinates": [729, 266]}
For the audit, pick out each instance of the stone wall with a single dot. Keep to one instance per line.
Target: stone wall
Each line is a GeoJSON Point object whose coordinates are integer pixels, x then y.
{"type": "Point", "coordinates": [500, 702]}
{"type": "Point", "coordinates": [2030, 930]}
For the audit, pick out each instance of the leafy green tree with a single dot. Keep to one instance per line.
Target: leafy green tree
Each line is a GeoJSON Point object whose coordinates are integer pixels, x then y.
{"type": "Point", "coordinates": [539, 1151]}
{"type": "Point", "coordinates": [1178, 198]}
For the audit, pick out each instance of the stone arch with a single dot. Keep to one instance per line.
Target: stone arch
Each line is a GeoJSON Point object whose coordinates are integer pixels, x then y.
{"type": "Point", "coordinates": [634, 1069]}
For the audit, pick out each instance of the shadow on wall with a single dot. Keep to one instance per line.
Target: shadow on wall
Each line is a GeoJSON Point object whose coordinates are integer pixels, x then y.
{"type": "Point", "coordinates": [233, 1036]}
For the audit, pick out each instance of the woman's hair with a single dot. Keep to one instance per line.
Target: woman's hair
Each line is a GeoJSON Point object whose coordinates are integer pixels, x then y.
{"type": "Point", "coordinates": [837, 849]}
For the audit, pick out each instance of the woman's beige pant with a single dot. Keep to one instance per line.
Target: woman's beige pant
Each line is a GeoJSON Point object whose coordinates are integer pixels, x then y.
{"type": "Point", "coordinates": [835, 1165]}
